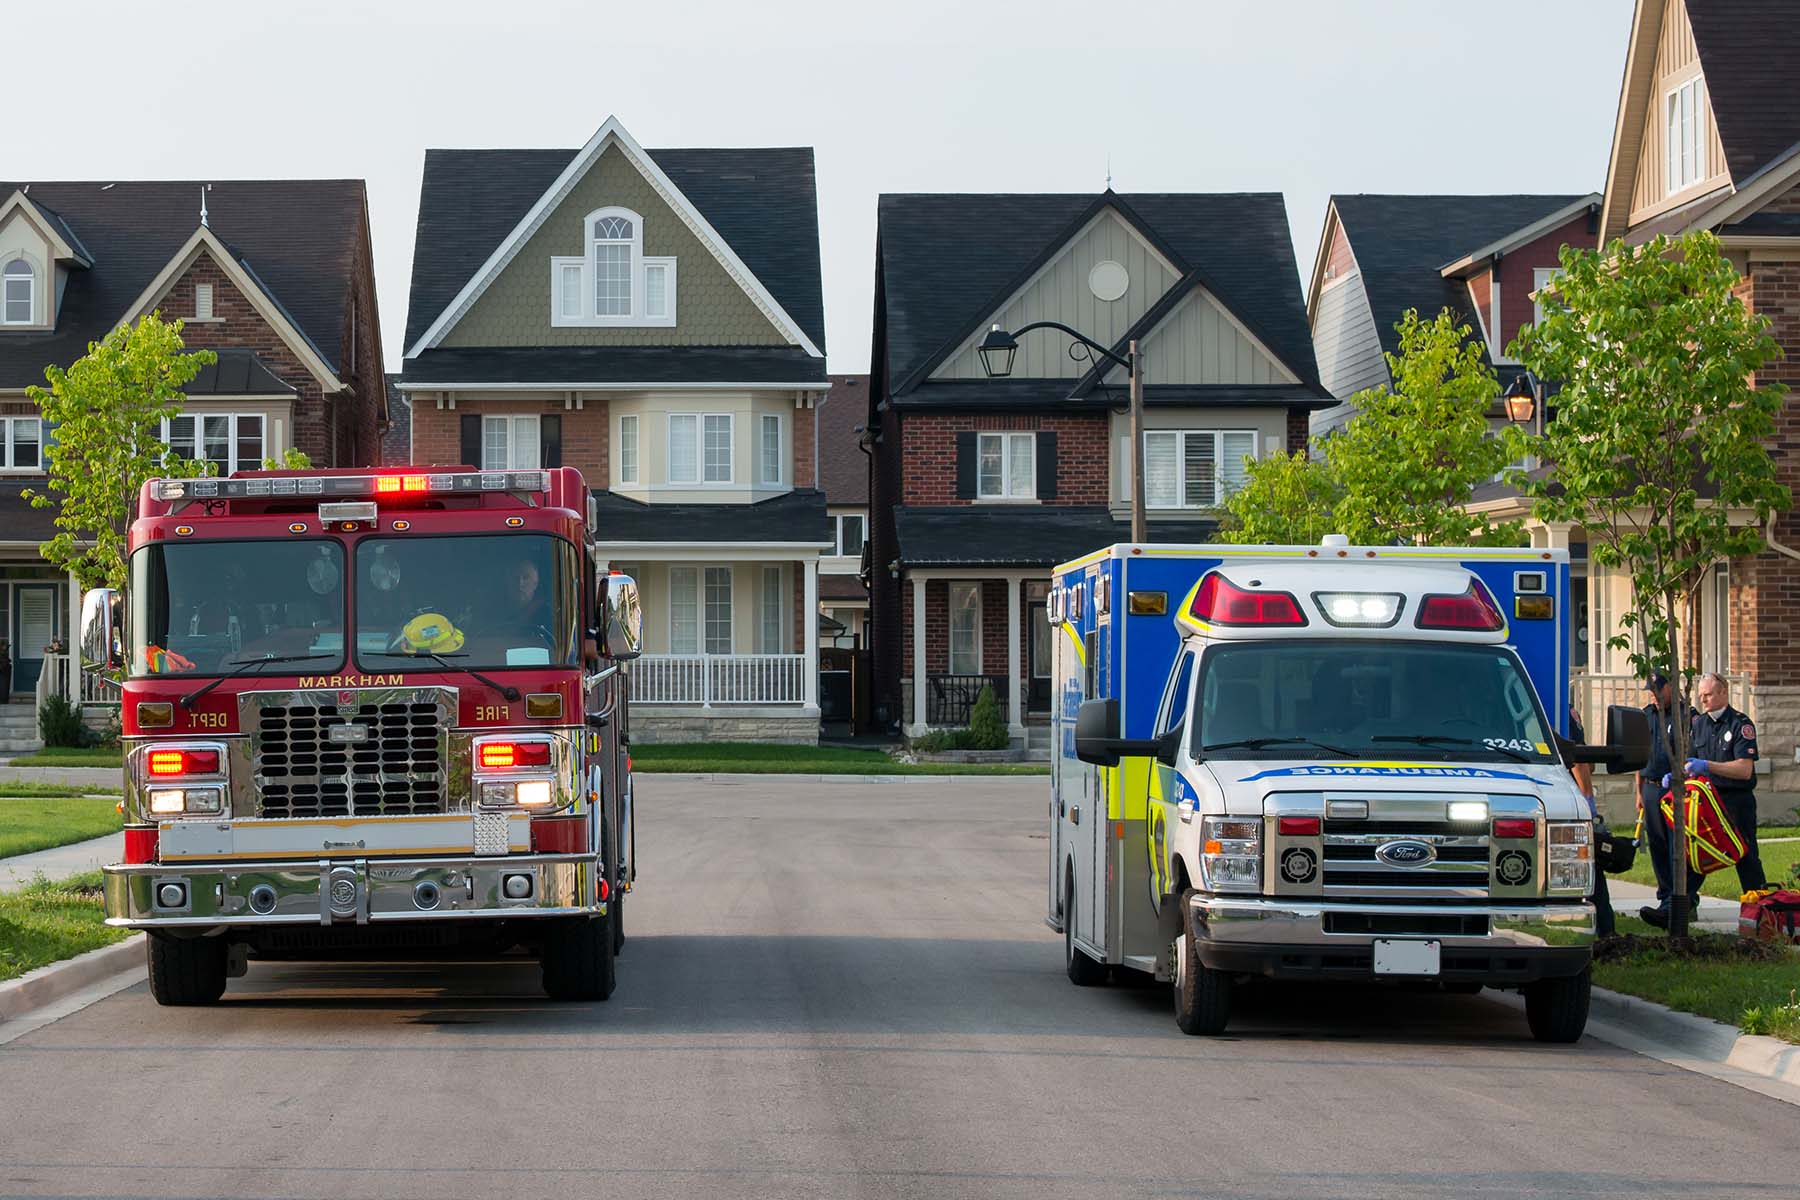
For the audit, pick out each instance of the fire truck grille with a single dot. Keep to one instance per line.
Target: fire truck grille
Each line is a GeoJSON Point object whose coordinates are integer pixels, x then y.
{"type": "Point", "coordinates": [391, 761]}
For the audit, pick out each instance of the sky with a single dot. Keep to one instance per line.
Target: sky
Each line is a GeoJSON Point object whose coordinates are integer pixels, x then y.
{"type": "Point", "coordinates": [1304, 97]}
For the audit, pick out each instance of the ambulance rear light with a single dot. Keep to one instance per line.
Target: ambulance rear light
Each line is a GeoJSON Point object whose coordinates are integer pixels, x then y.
{"type": "Point", "coordinates": [1472, 611]}
{"type": "Point", "coordinates": [1218, 601]}
{"type": "Point", "coordinates": [454, 483]}
{"type": "Point", "coordinates": [1360, 610]}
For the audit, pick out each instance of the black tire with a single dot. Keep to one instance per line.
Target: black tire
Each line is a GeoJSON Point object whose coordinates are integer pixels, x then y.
{"type": "Point", "coordinates": [1461, 989]}
{"type": "Point", "coordinates": [577, 959]}
{"type": "Point", "coordinates": [1082, 970]}
{"type": "Point", "coordinates": [1557, 1009]}
{"type": "Point", "coordinates": [616, 914]}
{"type": "Point", "coordinates": [186, 970]}
{"type": "Point", "coordinates": [1202, 995]}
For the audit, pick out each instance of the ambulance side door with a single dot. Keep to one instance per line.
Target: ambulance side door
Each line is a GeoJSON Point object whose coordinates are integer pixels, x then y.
{"type": "Point", "coordinates": [1160, 813]}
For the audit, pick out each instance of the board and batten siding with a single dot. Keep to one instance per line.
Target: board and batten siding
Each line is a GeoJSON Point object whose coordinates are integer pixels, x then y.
{"type": "Point", "coordinates": [1677, 61]}
{"type": "Point", "coordinates": [1345, 339]}
{"type": "Point", "coordinates": [1060, 292]}
{"type": "Point", "coordinates": [1199, 343]}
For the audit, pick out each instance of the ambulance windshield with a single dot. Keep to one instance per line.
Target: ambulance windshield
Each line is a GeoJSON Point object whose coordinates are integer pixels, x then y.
{"type": "Point", "coordinates": [1416, 701]}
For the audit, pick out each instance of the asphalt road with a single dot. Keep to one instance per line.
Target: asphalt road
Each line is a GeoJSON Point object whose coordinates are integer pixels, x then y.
{"type": "Point", "coordinates": [846, 990]}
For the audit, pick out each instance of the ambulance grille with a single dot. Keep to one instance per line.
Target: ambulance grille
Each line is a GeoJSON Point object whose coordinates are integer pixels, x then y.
{"type": "Point", "coordinates": [398, 767]}
{"type": "Point", "coordinates": [1459, 866]}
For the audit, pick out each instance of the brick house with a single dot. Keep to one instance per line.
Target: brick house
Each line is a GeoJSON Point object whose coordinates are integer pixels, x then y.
{"type": "Point", "coordinates": [654, 318]}
{"type": "Point", "coordinates": [276, 276]}
{"type": "Point", "coordinates": [981, 485]}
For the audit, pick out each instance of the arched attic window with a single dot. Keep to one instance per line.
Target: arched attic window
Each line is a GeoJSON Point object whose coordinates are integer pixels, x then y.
{"type": "Point", "coordinates": [18, 292]}
{"type": "Point", "coordinates": [611, 282]}
{"type": "Point", "coordinates": [616, 243]}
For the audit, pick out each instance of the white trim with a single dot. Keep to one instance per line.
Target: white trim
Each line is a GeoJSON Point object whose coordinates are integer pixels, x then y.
{"type": "Point", "coordinates": [46, 229]}
{"type": "Point", "coordinates": [611, 133]}
{"type": "Point", "coordinates": [701, 551]}
{"type": "Point", "coordinates": [7, 466]}
{"type": "Point", "coordinates": [513, 421]}
{"type": "Point", "coordinates": [231, 464]}
{"type": "Point", "coordinates": [699, 480]}
{"type": "Point", "coordinates": [950, 611]}
{"type": "Point", "coordinates": [762, 477]}
{"type": "Point", "coordinates": [614, 385]}
{"type": "Point", "coordinates": [1316, 281]}
{"type": "Point", "coordinates": [1695, 140]}
{"type": "Point", "coordinates": [33, 279]}
{"type": "Point", "coordinates": [203, 241]}
{"type": "Point", "coordinates": [1005, 494]}
{"type": "Point", "coordinates": [637, 448]}
{"type": "Point", "coordinates": [1777, 177]}
{"type": "Point", "coordinates": [1529, 233]}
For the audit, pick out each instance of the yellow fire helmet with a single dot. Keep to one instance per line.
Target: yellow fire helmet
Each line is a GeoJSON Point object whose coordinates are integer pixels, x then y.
{"type": "Point", "coordinates": [432, 632]}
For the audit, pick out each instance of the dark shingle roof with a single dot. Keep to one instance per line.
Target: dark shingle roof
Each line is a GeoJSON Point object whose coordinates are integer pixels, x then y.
{"type": "Point", "coordinates": [19, 520]}
{"type": "Point", "coordinates": [977, 535]}
{"type": "Point", "coordinates": [1401, 244]}
{"type": "Point", "coordinates": [617, 364]}
{"type": "Point", "coordinates": [299, 236]}
{"type": "Point", "coordinates": [396, 443]}
{"type": "Point", "coordinates": [1748, 49]}
{"type": "Point", "coordinates": [797, 516]}
{"type": "Point", "coordinates": [948, 260]}
{"type": "Point", "coordinates": [843, 467]}
{"type": "Point", "coordinates": [237, 373]}
{"type": "Point", "coordinates": [761, 200]}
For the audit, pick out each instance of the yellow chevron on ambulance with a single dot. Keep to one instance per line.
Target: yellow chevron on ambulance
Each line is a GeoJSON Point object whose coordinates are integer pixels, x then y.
{"type": "Point", "coordinates": [1323, 762]}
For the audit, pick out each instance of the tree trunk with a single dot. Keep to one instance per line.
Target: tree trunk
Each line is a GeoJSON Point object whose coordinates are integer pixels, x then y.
{"type": "Point", "coordinates": [1678, 756]}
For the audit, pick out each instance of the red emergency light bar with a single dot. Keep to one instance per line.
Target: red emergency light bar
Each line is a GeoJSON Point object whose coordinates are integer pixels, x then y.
{"type": "Point", "coordinates": [1221, 602]}
{"type": "Point", "coordinates": [261, 487]}
{"type": "Point", "coordinates": [1473, 611]}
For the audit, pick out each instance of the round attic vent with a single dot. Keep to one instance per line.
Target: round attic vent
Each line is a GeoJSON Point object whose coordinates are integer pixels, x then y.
{"type": "Point", "coordinates": [1108, 280]}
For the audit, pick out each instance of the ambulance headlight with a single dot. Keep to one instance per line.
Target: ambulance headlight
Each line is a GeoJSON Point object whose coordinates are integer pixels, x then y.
{"type": "Point", "coordinates": [1571, 857]}
{"type": "Point", "coordinates": [1365, 610]}
{"type": "Point", "coordinates": [1231, 854]}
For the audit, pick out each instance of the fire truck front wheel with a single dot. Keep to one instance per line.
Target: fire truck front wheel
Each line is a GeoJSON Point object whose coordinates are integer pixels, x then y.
{"type": "Point", "coordinates": [187, 970]}
{"type": "Point", "coordinates": [1202, 994]}
{"type": "Point", "coordinates": [577, 959]}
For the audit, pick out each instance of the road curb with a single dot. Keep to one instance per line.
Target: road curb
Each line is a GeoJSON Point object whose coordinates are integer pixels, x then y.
{"type": "Point", "coordinates": [59, 980]}
{"type": "Point", "coordinates": [778, 776]}
{"type": "Point", "coordinates": [1701, 1037]}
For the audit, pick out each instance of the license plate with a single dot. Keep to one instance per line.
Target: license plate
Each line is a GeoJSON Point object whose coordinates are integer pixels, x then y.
{"type": "Point", "coordinates": [1409, 957]}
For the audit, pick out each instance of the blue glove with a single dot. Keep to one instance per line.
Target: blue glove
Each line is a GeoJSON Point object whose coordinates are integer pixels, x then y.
{"type": "Point", "coordinates": [1696, 766]}
{"type": "Point", "coordinates": [1665, 782]}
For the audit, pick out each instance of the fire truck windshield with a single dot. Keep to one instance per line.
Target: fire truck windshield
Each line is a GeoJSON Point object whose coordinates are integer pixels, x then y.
{"type": "Point", "coordinates": [202, 608]}
{"type": "Point", "coordinates": [483, 602]}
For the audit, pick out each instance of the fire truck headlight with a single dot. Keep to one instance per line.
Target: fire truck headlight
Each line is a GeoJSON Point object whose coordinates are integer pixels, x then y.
{"type": "Point", "coordinates": [168, 802]}
{"type": "Point", "coordinates": [535, 793]}
{"type": "Point", "coordinates": [173, 802]}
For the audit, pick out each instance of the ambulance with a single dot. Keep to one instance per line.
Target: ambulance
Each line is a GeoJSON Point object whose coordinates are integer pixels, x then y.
{"type": "Point", "coordinates": [1325, 762]}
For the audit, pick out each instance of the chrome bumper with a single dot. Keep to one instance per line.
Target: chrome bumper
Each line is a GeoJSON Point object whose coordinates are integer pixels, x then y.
{"type": "Point", "coordinates": [349, 892]}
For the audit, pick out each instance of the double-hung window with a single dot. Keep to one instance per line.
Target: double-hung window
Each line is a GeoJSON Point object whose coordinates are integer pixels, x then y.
{"type": "Point", "coordinates": [852, 531]}
{"type": "Point", "coordinates": [18, 293]}
{"type": "Point", "coordinates": [509, 443]}
{"type": "Point", "coordinates": [718, 610]}
{"type": "Point", "coordinates": [965, 629]}
{"type": "Point", "coordinates": [23, 443]}
{"type": "Point", "coordinates": [1193, 468]}
{"type": "Point", "coordinates": [1006, 466]}
{"type": "Point", "coordinates": [684, 610]}
{"type": "Point", "coordinates": [700, 448]}
{"type": "Point", "coordinates": [700, 610]}
{"type": "Point", "coordinates": [628, 449]}
{"type": "Point", "coordinates": [230, 441]}
{"type": "Point", "coordinates": [614, 238]}
{"type": "Point", "coordinates": [768, 449]}
{"type": "Point", "coordinates": [1685, 109]}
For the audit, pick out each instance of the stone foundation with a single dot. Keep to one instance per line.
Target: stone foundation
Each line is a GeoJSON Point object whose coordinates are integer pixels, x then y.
{"type": "Point", "coordinates": [663, 724]}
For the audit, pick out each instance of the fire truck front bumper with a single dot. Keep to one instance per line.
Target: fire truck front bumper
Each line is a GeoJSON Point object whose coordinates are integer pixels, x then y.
{"type": "Point", "coordinates": [1496, 944]}
{"type": "Point", "coordinates": [212, 896]}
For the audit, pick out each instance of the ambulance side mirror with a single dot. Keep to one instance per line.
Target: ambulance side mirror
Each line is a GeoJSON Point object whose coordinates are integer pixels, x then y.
{"type": "Point", "coordinates": [1097, 739]}
{"type": "Point", "coordinates": [1627, 747]}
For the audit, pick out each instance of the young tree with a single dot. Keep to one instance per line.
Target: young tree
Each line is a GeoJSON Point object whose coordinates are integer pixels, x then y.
{"type": "Point", "coordinates": [107, 409]}
{"type": "Point", "coordinates": [291, 460]}
{"type": "Point", "coordinates": [1408, 461]}
{"type": "Point", "coordinates": [1658, 446]}
{"type": "Point", "coordinates": [1286, 500]}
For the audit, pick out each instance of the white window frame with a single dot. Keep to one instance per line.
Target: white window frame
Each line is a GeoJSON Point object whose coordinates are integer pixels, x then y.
{"type": "Point", "coordinates": [763, 458]}
{"type": "Point", "coordinates": [1684, 142]}
{"type": "Point", "coordinates": [7, 280]}
{"type": "Point", "coordinates": [708, 578]}
{"type": "Point", "coordinates": [513, 422]}
{"type": "Point", "coordinates": [580, 271]}
{"type": "Point", "coordinates": [1007, 492]}
{"type": "Point", "coordinates": [630, 449]}
{"type": "Point", "coordinates": [1218, 437]}
{"type": "Point", "coordinates": [9, 437]}
{"type": "Point", "coordinates": [960, 591]}
{"type": "Point", "coordinates": [771, 617]}
{"type": "Point", "coordinates": [699, 465]}
{"type": "Point", "coordinates": [1541, 278]}
{"type": "Point", "coordinates": [684, 577]}
{"type": "Point", "coordinates": [861, 519]}
{"type": "Point", "coordinates": [231, 464]}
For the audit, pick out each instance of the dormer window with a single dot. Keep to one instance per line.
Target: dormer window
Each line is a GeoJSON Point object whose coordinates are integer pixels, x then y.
{"type": "Point", "coordinates": [18, 293]}
{"type": "Point", "coordinates": [613, 283]}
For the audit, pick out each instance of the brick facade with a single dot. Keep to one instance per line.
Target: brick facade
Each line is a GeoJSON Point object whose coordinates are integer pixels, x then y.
{"type": "Point", "coordinates": [929, 446]}
{"type": "Point", "coordinates": [586, 431]}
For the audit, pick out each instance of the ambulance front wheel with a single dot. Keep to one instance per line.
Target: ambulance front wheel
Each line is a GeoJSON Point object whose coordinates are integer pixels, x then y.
{"type": "Point", "coordinates": [1557, 1009]}
{"type": "Point", "coordinates": [187, 970]}
{"type": "Point", "coordinates": [1202, 995]}
{"type": "Point", "coordinates": [1083, 971]}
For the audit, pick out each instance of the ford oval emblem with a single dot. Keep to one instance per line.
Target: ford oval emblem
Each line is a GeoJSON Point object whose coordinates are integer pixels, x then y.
{"type": "Point", "coordinates": [1407, 853]}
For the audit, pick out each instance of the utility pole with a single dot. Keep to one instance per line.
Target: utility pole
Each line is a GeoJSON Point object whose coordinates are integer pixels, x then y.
{"type": "Point", "coordinates": [1139, 527]}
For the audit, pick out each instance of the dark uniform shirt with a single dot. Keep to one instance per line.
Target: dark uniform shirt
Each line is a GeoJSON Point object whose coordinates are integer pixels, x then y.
{"type": "Point", "coordinates": [1662, 736]}
{"type": "Point", "coordinates": [1730, 737]}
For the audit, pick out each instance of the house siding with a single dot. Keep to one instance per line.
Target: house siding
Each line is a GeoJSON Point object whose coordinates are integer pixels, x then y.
{"type": "Point", "coordinates": [1199, 344]}
{"type": "Point", "coordinates": [712, 309]}
{"type": "Point", "coordinates": [437, 432]}
{"type": "Point", "coordinates": [1516, 272]}
{"type": "Point", "coordinates": [1677, 59]}
{"type": "Point", "coordinates": [1345, 340]}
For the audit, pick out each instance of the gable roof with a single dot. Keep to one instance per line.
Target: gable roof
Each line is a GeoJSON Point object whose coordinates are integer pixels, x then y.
{"type": "Point", "coordinates": [948, 261]}
{"type": "Point", "coordinates": [758, 206]}
{"type": "Point", "coordinates": [298, 237]}
{"type": "Point", "coordinates": [66, 246]}
{"type": "Point", "coordinates": [1402, 243]}
{"type": "Point", "coordinates": [1748, 49]}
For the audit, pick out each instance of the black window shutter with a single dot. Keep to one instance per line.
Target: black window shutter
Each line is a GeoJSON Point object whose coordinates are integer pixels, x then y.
{"type": "Point", "coordinates": [1046, 466]}
{"type": "Point", "coordinates": [471, 440]}
{"type": "Point", "coordinates": [965, 465]}
{"type": "Point", "coordinates": [550, 440]}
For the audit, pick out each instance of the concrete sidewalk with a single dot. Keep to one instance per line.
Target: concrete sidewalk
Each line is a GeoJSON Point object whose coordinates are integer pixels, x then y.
{"type": "Point", "coordinates": [62, 861]}
{"type": "Point", "coordinates": [105, 779]}
{"type": "Point", "coordinates": [1718, 916]}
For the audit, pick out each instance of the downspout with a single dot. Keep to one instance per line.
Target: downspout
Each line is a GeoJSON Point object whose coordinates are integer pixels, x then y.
{"type": "Point", "coordinates": [1769, 537]}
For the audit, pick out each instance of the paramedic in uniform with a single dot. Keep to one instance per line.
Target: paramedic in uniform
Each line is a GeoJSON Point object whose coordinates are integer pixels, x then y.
{"type": "Point", "coordinates": [1724, 750]}
{"type": "Point", "coordinates": [1661, 711]}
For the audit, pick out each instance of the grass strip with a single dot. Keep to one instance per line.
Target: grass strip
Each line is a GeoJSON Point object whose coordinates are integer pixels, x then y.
{"type": "Point", "coordinates": [1779, 860]}
{"type": "Point", "coordinates": [49, 921]}
{"type": "Point", "coordinates": [50, 791]}
{"type": "Point", "coordinates": [71, 756]}
{"type": "Point", "coordinates": [758, 758]}
{"type": "Point", "coordinates": [1752, 986]}
{"type": "Point", "coordinates": [28, 824]}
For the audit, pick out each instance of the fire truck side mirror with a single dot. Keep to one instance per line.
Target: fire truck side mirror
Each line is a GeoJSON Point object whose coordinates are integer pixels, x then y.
{"type": "Point", "coordinates": [621, 618]}
{"type": "Point", "coordinates": [103, 630]}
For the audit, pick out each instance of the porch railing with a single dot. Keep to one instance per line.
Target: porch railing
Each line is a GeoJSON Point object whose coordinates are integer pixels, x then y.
{"type": "Point", "coordinates": [710, 679]}
{"type": "Point", "coordinates": [1591, 694]}
{"type": "Point", "coordinates": [53, 680]}
{"type": "Point", "coordinates": [949, 698]}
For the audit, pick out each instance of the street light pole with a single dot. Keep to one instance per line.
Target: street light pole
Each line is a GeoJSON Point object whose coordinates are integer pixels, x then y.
{"type": "Point", "coordinates": [1140, 531]}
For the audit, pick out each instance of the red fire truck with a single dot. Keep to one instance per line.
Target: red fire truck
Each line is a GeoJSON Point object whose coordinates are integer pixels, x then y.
{"type": "Point", "coordinates": [371, 714]}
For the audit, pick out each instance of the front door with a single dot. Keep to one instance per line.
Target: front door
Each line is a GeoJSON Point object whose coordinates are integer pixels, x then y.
{"type": "Point", "coordinates": [1037, 658]}
{"type": "Point", "coordinates": [34, 624]}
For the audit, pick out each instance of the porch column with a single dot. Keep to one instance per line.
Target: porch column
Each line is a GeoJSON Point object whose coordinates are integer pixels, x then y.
{"type": "Point", "coordinates": [810, 619]}
{"type": "Point", "coordinates": [71, 639]}
{"type": "Point", "coordinates": [918, 662]}
{"type": "Point", "coordinates": [1015, 708]}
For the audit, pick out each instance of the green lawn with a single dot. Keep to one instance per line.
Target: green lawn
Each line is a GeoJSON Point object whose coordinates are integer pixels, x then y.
{"type": "Point", "coordinates": [1778, 859]}
{"type": "Point", "coordinates": [755, 758]}
{"type": "Point", "coordinates": [50, 921]}
{"type": "Point", "coordinates": [51, 791]}
{"type": "Point", "coordinates": [67, 756]}
{"type": "Point", "coordinates": [36, 823]}
{"type": "Point", "coordinates": [1744, 985]}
